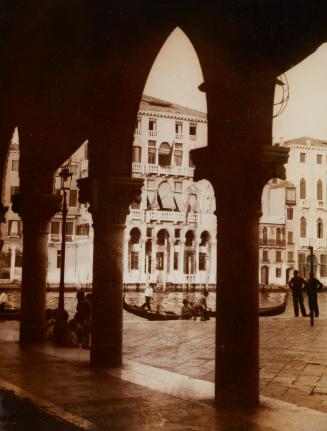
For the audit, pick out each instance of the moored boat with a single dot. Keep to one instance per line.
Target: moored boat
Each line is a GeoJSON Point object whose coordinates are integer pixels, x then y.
{"type": "Point", "coordinates": [264, 311]}
{"type": "Point", "coordinates": [10, 314]}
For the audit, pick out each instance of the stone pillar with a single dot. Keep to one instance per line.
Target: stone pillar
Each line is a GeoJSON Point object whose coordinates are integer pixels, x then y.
{"type": "Point", "coordinates": [109, 204]}
{"type": "Point", "coordinates": [36, 212]}
{"type": "Point", "coordinates": [238, 178]}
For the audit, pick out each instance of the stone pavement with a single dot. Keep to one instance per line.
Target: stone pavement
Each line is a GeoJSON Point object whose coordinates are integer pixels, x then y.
{"type": "Point", "coordinates": [141, 396]}
{"type": "Point", "coordinates": [293, 354]}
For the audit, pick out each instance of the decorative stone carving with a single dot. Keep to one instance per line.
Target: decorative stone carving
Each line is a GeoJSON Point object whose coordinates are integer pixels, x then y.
{"type": "Point", "coordinates": [36, 210]}
{"type": "Point", "coordinates": [110, 198]}
{"type": "Point", "coordinates": [238, 175]}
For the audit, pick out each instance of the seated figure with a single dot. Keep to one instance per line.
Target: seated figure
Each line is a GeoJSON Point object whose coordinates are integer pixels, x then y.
{"type": "Point", "coordinates": [187, 311]}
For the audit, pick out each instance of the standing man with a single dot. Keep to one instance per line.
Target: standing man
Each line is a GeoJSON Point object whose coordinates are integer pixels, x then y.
{"type": "Point", "coordinates": [312, 287]}
{"type": "Point", "coordinates": [148, 295]}
{"type": "Point", "coordinates": [296, 284]}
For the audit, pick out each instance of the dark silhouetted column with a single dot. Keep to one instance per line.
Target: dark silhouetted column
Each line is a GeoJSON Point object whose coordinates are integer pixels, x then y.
{"type": "Point", "coordinates": [238, 180]}
{"type": "Point", "coordinates": [36, 212]}
{"type": "Point", "coordinates": [110, 200]}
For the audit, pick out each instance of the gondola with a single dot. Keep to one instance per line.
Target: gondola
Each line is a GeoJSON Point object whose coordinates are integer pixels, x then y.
{"type": "Point", "coordinates": [150, 315]}
{"type": "Point", "coordinates": [10, 314]}
{"type": "Point", "coordinates": [271, 310]}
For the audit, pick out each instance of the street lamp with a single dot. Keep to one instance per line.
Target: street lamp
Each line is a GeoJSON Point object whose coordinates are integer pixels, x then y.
{"type": "Point", "coordinates": [311, 258]}
{"type": "Point", "coordinates": [65, 181]}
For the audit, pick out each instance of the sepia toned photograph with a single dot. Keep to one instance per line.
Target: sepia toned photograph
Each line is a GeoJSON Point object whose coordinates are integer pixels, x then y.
{"type": "Point", "coordinates": [163, 215]}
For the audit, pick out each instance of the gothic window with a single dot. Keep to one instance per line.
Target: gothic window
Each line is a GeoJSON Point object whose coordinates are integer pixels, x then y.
{"type": "Point", "coordinates": [302, 189]}
{"type": "Point", "coordinates": [319, 228]}
{"type": "Point", "coordinates": [278, 256]}
{"type": "Point", "coordinates": [152, 125]}
{"type": "Point", "coordinates": [192, 130]}
{"type": "Point", "coordinates": [303, 227]}
{"type": "Point", "coordinates": [278, 236]}
{"type": "Point", "coordinates": [164, 154]}
{"type": "Point", "coordinates": [152, 152]}
{"type": "Point", "coordinates": [265, 235]}
{"type": "Point", "coordinates": [319, 190]}
{"type": "Point", "coordinates": [178, 154]}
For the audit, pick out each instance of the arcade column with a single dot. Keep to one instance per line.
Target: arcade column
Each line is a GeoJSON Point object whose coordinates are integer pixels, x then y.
{"type": "Point", "coordinates": [238, 179]}
{"type": "Point", "coordinates": [109, 200]}
{"type": "Point", "coordinates": [36, 212]}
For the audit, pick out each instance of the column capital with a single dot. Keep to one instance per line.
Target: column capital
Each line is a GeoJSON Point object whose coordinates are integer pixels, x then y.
{"type": "Point", "coordinates": [111, 195]}
{"type": "Point", "coordinates": [36, 209]}
{"type": "Point", "coordinates": [238, 174]}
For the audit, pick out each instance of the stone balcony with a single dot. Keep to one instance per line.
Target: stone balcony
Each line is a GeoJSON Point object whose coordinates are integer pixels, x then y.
{"type": "Point", "coordinates": [147, 168]}
{"type": "Point", "coordinates": [163, 216]}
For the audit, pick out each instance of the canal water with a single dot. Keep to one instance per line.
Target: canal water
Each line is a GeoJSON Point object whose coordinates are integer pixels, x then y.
{"type": "Point", "coordinates": [168, 300]}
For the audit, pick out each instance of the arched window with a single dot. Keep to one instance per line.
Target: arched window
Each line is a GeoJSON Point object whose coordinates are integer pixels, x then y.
{"type": "Point", "coordinates": [205, 238]}
{"type": "Point", "coordinates": [303, 227]}
{"type": "Point", "coordinates": [189, 238]}
{"type": "Point", "coordinates": [162, 236]}
{"type": "Point", "coordinates": [303, 191]}
{"type": "Point", "coordinates": [134, 251]}
{"type": "Point", "coordinates": [166, 196]}
{"type": "Point", "coordinates": [320, 228]}
{"type": "Point", "coordinates": [278, 236]}
{"type": "Point", "coordinates": [164, 154]}
{"type": "Point", "coordinates": [319, 190]}
{"type": "Point", "coordinates": [265, 235]}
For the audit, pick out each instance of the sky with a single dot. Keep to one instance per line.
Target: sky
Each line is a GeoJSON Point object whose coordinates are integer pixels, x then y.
{"type": "Point", "coordinates": [176, 74]}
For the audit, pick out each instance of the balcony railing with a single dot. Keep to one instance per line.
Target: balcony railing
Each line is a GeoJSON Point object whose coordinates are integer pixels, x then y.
{"type": "Point", "coordinates": [148, 168]}
{"type": "Point", "coordinates": [173, 216]}
{"type": "Point", "coordinates": [179, 136]}
{"type": "Point", "coordinates": [152, 132]}
{"type": "Point", "coordinates": [193, 138]}
{"type": "Point", "coordinates": [272, 242]}
{"type": "Point", "coordinates": [136, 214]}
{"type": "Point", "coordinates": [137, 131]}
{"type": "Point", "coordinates": [193, 218]}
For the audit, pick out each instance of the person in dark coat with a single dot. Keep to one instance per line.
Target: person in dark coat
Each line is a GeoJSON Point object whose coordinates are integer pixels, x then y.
{"type": "Point", "coordinates": [297, 283]}
{"type": "Point", "coordinates": [312, 287]}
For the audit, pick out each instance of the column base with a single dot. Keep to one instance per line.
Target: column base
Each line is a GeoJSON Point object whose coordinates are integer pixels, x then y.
{"type": "Point", "coordinates": [104, 357]}
{"type": "Point", "coordinates": [230, 397]}
{"type": "Point", "coordinates": [31, 334]}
